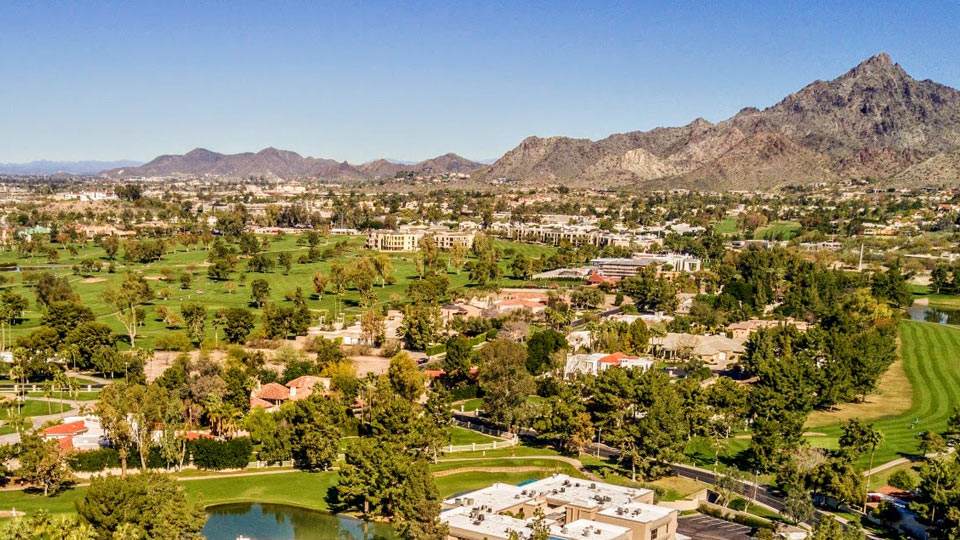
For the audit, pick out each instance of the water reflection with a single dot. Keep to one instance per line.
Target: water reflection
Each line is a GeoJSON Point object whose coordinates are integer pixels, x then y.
{"type": "Point", "coordinates": [277, 522]}
{"type": "Point", "coordinates": [921, 312]}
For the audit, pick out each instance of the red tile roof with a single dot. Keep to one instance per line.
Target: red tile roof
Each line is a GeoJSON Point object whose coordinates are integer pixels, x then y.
{"type": "Point", "coordinates": [66, 443]}
{"type": "Point", "coordinates": [257, 402]}
{"type": "Point", "coordinates": [615, 358]}
{"type": "Point", "coordinates": [71, 428]}
{"type": "Point", "coordinates": [272, 391]}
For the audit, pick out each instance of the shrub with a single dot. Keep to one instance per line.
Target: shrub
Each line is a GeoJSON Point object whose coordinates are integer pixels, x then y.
{"type": "Point", "coordinates": [216, 455]}
{"type": "Point", "coordinates": [902, 480]}
{"type": "Point", "coordinates": [173, 341]}
{"type": "Point", "coordinates": [95, 460]}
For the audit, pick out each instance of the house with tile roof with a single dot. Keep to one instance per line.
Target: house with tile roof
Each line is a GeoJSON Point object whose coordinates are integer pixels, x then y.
{"type": "Point", "coordinates": [271, 395]}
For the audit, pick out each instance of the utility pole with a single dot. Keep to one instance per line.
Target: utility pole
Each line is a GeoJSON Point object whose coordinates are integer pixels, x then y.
{"type": "Point", "coordinates": [860, 264]}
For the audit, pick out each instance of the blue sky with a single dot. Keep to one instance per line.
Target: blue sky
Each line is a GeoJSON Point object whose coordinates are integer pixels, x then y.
{"type": "Point", "coordinates": [410, 80]}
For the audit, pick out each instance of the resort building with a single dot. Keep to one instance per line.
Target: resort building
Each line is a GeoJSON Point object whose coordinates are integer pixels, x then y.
{"type": "Point", "coordinates": [572, 508]}
{"type": "Point", "coordinates": [622, 268]}
{"type": "Point", "coordinates": [593, 364]}
{"type": "Point", "coordinates": [409, 240]}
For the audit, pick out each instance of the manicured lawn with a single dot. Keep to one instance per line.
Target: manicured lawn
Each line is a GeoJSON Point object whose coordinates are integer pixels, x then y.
{"type": "Point", "coordinates": [460, 436]}
{"type": "Point", "coordinates": [307, 490]}
{"type": "Point", "coordinates": [882, 478]}
{"type": "Point", "coordinates": [727, 225]}
{"type": "Point", "coordinates": [470, 481]}
{"type": "Point", "coordinates": [778, 230]}
{"type": "Point", "coordinates": [931, 359]}
{"type": "Point", "coordinates": [81, 396]}
{"type": "Point", "coordinates": [214, 295]}
{"type": "Point", "coordinates": [552, 465]}
{"type": "Point", "coordinates": [61, 503]}
{"type": "Point", "coordinates": [470, 405]}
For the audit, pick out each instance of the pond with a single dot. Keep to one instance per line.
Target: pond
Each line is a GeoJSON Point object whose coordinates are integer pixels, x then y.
{"type": "Point", "coordinates": [279, 522]}
{"type": "Point", "coordinates": [923, 312]}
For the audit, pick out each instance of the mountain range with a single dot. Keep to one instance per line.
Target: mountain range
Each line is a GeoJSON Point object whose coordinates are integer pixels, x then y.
{"type": "Point", "coordinates": [285, 164]}
{"type": "Point", "coordinates": [873, 121]}
{"type": "Point", "coordinates": [43, 167]}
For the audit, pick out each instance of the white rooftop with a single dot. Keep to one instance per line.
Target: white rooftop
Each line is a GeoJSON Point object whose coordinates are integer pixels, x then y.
{"type": "Point", "coordinates": [563, 489]}
{"type": "Point", "coordinates": [585, 528]}
{"type": "Point", "coordinates": [496, 498]}
{"type": "Point", "coordinates": [485, 524]}
{"type": "Point", "coordinates": [637, 511]}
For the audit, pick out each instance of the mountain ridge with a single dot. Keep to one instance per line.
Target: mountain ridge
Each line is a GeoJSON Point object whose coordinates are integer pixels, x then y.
{"type": "Point", "coordinates": [873, 120]}
{"type": "Point", "coordinates": [272, 161]}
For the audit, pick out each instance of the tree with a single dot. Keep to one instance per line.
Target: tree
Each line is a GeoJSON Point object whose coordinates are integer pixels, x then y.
{"type": "Point", "coordinates": [373, 327]}
{"type": "Point", "coordinates": [110, 245]}
{"type": "Point", "coordinates": [113, 408]}
{"type": "Point", "coordinates": [420, 326]}
{"type": "Point", "coordinates": [50, 288]}
{"type": "Point", "coordinates": [12, 306]}
{"type": "Point", "coordinates": [459, 359]}
{"type": "Point", "coordinates": [798, 506]}
{"type": "Point", "coordinates": [539, 348]}
{"type": "Point", "coordinates": [285, 259]}
{"type": "Point", "coordinates": [521, 267]}
{"type": "Point", "coordinates": [320, 282]}
{"type": "Point", "coordinates": [564, 419]}
{"type": "Point", "coordinates": [259, 291]}
{"type": "Point", "coordinates": [238, 323]}
{"type": "Point", "coordinates": [857, 438]}
{"type": "Point", "coordinates": [133, 291]}
{"type": "Point", "coordinates": [64, 316]}
{"type": "Point", "coordinates": [195, 317]}
{"type": "Point", "coordinates": [383, 267]}
{"type": "Point", "coordinates": [219, 269]}
{"type": "Point", "coordinates": [405, 379]}
{"type": "Point", "coordinates": [892, 287]}
{"type": "Point", "coordinates": [87, 340]}
{"type": "Point", "coordinates": [43, 464]}
{"type": "Point", "coordinates": [153, 504]}
{"type": "Point", "coordinates": [505, 381]}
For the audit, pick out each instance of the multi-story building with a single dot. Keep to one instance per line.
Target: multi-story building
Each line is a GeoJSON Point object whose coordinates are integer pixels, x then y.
{"type": "Point", "coordinates": [621, 267]}
{"type": "Point", "coordinates": [571, 508]}
{"type": "Point", "coordinates": [409, 239]}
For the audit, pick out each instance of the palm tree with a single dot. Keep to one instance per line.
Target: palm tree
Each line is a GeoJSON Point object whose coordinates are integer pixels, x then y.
{"type": "Point", "coordinates": [60, 379]}
{"type": "Point", "coordinates": [48, 395]}
{"type": "Point", "coordinates": [873, 438]}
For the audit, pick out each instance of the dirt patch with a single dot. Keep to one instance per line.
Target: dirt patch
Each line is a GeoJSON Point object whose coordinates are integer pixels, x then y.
{"type": "Point", "coordinates": [93, 280]}
{"type": "Point", "coordinates": [153, 278]}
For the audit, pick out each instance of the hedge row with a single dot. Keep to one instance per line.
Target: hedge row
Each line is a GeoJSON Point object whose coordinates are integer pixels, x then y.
{"type": "Point", "coordinates": [441, 347]}
{"type": "Point", "coordinates": [211, 454]}
{"type": "Point", "coordinates": [743, 519]}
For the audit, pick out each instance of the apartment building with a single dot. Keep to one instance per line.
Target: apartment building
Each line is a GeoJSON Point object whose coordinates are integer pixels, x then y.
{"type": "Point", "coordinates": [572, 508]}
{"type": "Point", "coordinates": [409, 240]}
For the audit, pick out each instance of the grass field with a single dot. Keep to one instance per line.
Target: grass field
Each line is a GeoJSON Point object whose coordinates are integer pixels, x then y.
{"type": "Point", "coordinates": [778, 230]}
{"type": "Point", "coordinates": [214, 294]}
{"type": "Point", "coordinates": [307, 490]}
{"type": "Point", "coordinates": [727, 225]}
{"type": "Point", "coordinates": [931, 360]}
{"type": "Point", "coordinates": [460, 436]}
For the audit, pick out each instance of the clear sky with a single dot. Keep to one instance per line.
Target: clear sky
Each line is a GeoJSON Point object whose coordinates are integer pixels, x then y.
{"type": "Point", "coordinates": [410, 80]}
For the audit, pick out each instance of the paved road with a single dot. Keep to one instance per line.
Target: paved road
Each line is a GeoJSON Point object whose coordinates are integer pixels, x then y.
{"type": "Point", "coordinates": [703, 527]}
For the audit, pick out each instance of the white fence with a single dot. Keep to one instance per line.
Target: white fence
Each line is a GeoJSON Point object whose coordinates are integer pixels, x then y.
{"type": "Point", "coordinates": [509, 439]}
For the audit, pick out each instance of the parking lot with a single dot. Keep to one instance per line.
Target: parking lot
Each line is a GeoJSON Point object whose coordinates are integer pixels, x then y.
{"type": "Point", "coordinates": [701, 527]}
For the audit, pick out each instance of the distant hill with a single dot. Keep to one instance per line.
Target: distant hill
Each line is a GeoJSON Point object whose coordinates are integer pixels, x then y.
{"type": "Point", "coordinates": [875, 120]}
{"type": "Point", "coordinates": [39, 168]}
{"type": "Point", "coordinates": [283, 164]}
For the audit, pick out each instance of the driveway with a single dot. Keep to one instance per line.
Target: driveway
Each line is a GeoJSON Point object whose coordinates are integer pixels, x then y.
{"type": "Point", "coordinates": [703, 527]}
